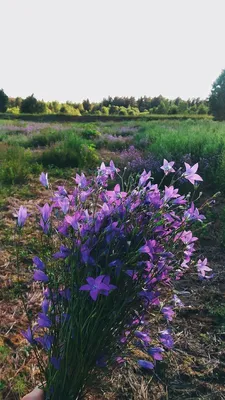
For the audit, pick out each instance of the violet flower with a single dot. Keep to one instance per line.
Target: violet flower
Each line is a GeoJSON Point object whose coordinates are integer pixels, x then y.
{"type": "Point", "coordinates": [39, 264]}
{"type": "Point", "coordinates": [145, 364]}
{"type": "Point", "coordinates": [156, 353]}
{"type": "Point", "coordinates": [96, 287]}
{"type": "Point", "coordinates": [166, 339]}
{"type": "Point", "coordinates": [190, 173]}
{"type": "Point", "coordinates": [40, 276]}
{"type": "Point", "coordinates": [44, 321]}
{"type": "Point", "coordinates": [143, 336]}
{"type": "Point", "coordinates": [21, 216]}
{"type": "Point", "coordinates": [167, 167]}
{"type": "Point", "coordinates": [202, 267]}
{"type": "Point", "coordinates": [28, 335]}
{"type": "Point", "coordinates": [46, 341]}
{"type": "Point", "coordinates": [44, 179]}
{"type": "Point", "coordinates": [168, 313]}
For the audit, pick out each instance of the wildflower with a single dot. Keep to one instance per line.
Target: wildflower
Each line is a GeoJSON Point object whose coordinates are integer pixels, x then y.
{"type": "Point", "coordinates": [170, 193]}
{"type": "Point", "coordinates": [156, 353]}
{"type": "Point", "coordinates": [64, 204]}
{"type": "Point", "coordinates": [28, 335]}
{"type": "Point", "coordinates": [45, 212]}
{"type": "Point", "coordinates": [190, 173]}
{"type": "Point", "coordinates": [40, 276]}
{"type": "Point", "coordinates": [45, 215]}
{"type": "Point", "coordinates": [177, 301]}
{"type": "Point", "coordinates": [192, 214]}
{"type": "Point", "coordinates": [44, 321]}
{"type": "Point", "coordinates": [149, 248]}
{"type": "Point", "coordinates": [143, 336]}
{"type": "Point", "coordinates": [144, 178]}
{"type": "Point", "coordinates": [202, 267]}
{"type": "Point", "coordinates": [21, 216]}
{"type": "Point", "coordinates": [39, 264]}
{"type": "Point", "coordinates": [168, 313]}
{"type": "Point", "coordinates": [167, 167]}
{"type": "Point", "coordinates": [116, 195]}
{"type": "Point", "coordinates": [44, 179]}
{"type": "Point", "coordinates": [46, 341]}
{"type": "Point", "coordinates": [112, 169]}
{"type": "Point", "coordinates": [166, 339]}
{"type": "Point", "coordinates": [96, 287]}
{"type": "Point", "coordinates": [123, 339]}
{"type": "Point", "coordinates": [145, 364]}
{"type": "Point", "coordinates": [63, 253]}
{"type": "Point", "coordinates": [120, 360]}
{"type": "Point", "coordinates": [186, 237]}
{"type": "Point", "coordinates": [81, 181]}
{"type": "Point", "coordinates": [45, 306]}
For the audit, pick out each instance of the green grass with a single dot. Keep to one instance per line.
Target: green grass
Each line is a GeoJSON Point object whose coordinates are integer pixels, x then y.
{"type": "Point", "coordinates": [78, 146]}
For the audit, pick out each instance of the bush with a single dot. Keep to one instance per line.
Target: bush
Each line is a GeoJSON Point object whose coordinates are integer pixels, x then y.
{"type": "Point", "coordinates": [90, 133]}
{"type": "Point", "coordinates": [123, 111]}
{"type": "Point", "coordinates": [72, 152]}
{"type": "Point", "coordinates": [17, 164]}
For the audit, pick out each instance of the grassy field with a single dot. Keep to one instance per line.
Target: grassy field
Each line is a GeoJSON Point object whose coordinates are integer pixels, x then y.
{"type": "Point", "coordinates": [196, 367]}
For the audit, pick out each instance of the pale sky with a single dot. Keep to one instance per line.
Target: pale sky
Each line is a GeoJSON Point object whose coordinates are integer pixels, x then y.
{"type": "Point", "coordinates": [75, 49]}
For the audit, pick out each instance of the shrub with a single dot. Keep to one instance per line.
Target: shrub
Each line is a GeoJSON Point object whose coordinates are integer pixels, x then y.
{"type": "Point", "coordinates": [112, 142]}
{"type": "Point", "coordinates": [17, 164]}
{"type": "Point", "coordinates": [72, 152]}
{"type": "Point", "coordinates": [91, 133]}
{"type": "Point", "coordinates": [108, 265]}
{"type": "Point", "coordinates": [123, 111]}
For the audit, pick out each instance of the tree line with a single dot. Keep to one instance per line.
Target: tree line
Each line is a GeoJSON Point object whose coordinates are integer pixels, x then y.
{"type": "Point", "coordinates": [214, 105]}
{"type": "Point", "coordinates": [108, 106]}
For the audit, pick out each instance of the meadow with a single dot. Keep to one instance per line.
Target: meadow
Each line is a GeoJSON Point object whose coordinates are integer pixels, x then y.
{"type": "Point", "coordinates": [195, 367]}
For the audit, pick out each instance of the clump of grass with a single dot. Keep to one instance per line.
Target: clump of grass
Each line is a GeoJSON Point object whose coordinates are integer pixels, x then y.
{"type": "Point", "coordinates": [73, 152]}
{"type": "Point", "coordinates": [20, 386]}
{"type": "Point", "coordinates": [16, 165]}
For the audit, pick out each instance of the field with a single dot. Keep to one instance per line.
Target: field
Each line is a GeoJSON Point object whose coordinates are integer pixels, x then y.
{"type": "Point", "coordinates": [195, 368]}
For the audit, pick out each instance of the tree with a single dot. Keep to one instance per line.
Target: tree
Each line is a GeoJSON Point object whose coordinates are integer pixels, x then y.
{"type": "Point", "coordinates": [29, 105]}
{"type": "Point", "coordinates": [217, 98]}
{"type": "Point", "coordinates": [4, 100]}
{"type": "Point", "coordinates": [87, 105]}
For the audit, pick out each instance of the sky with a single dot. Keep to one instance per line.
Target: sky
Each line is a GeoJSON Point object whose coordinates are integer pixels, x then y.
{"type": "Point", "coordinates": [74, 49]}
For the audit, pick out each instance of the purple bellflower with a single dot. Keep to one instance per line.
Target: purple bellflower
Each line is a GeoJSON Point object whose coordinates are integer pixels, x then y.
{"type": "Point", "coordinates": [145, 364]}
{"type": "Point", "coordinates": [21, 216]}
{"type": "Point", "coordinates": [167, 167]}
{"type": "Point", "coordinates": [44, 179]}
{"type": "Point", "coordinates": [190, 173]}
{"type": "Point", "coordinates": [97, 286]}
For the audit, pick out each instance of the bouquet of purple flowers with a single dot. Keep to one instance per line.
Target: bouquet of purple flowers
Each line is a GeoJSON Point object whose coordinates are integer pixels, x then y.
{"type": "Point", "coordinates": [117, 256]}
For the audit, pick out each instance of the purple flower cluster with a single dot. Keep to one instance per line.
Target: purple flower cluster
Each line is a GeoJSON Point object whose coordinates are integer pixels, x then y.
{"type": "Point", "coordinates": [116, 254]}
{"type": "Point", "coordinates": [135, 162]}
{"type": "Point", "coordinates": [32, 127]}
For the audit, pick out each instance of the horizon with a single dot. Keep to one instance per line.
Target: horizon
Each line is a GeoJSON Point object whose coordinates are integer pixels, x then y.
{"type": "Point", "coordinates": [73, 51]}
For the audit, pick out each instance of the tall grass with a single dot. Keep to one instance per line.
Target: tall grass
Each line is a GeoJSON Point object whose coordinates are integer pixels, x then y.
{"type": "Point", "coordinates": [73, 151]}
